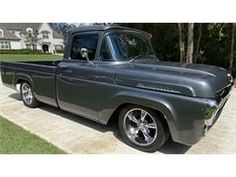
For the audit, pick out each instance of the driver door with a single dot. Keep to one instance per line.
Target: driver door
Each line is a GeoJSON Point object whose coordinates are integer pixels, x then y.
{"type": "Point", "coordinates": [76, 78]}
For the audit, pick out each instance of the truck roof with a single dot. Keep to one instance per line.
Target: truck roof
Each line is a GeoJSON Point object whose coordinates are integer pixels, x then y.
{"type": "Point", "coordinates": [104, 28]}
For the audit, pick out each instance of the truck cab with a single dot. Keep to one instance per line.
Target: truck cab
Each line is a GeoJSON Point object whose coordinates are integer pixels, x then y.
{"type": "Point", "coordinates": [90, 52]}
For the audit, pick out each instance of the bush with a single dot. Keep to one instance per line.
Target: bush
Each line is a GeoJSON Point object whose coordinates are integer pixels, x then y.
{"type": "Point", "coordinates": [21, 51]}
{"type": "Point", "coordinates": [60, 51]}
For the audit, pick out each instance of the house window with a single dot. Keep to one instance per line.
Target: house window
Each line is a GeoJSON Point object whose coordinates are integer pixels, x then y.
{"type": "Point", "coordinates": [1, 33]}
{"type": "Point", "coordinates": [4, 45]}
{"type": "Point", "coordinates": [45, 34]}
{"type": "Point", "coordinates": [29, 46]}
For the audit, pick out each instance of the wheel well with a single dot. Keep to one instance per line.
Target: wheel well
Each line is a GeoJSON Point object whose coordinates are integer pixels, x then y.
{"type": "Point", "coordinates": [19, 81]}
{"type": "Point", "coordinates": [115, 114]}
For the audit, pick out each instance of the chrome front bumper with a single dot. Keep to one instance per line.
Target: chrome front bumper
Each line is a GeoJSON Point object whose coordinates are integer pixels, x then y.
{"type": "Point", "coordinates": [208, 123]}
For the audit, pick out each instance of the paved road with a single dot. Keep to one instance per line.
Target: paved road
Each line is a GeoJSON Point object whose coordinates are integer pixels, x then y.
{"type": "Point", "coordinates": [75, 134]}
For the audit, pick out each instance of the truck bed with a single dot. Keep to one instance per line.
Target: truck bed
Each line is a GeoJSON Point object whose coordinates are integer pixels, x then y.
{"type": "Point", "coordinates": [40, 74]}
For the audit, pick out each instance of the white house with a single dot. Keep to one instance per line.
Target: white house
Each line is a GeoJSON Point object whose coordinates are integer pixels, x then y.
{"type": "Point", "coordinates": [14, 36]}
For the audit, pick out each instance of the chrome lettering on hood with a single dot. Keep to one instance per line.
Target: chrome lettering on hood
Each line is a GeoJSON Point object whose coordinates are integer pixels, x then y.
{"type": "Point", "coordinates": [156, 87]}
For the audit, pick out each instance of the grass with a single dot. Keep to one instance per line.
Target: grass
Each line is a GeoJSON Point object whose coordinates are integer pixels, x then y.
{"type": "Point", "coordinates": [16, 140]}
{"type": "Point", "coordinates": [25, 57]}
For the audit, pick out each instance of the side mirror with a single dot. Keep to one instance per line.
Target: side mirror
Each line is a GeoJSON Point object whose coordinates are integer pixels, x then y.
{"type": "Point", "coordinates": [84, 53]}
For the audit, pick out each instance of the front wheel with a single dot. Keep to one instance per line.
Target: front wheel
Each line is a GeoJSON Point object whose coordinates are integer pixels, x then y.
{"type": "Point", "coordinates": [142, 128]}
{"type": "Point", "coordinates": [27, 95]}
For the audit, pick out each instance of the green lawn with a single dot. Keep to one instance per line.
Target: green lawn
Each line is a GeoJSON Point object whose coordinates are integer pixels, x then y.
{"type": "Point", "coordinates": [25, 57]}
{"type": "Point", "coordinates": [16, 140]}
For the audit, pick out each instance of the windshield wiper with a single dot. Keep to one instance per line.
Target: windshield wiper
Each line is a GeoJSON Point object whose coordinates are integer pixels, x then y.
{"type": "Point", "coordinates": [136, 57]}
{"type": "Point", "coordinates": [142, 57]}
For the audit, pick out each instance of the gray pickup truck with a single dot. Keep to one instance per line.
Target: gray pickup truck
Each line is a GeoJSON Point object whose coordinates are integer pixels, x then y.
{"type": "Point", "coordinates": [112, 72]}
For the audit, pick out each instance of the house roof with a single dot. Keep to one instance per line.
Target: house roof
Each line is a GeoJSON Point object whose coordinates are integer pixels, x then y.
{"type": "Point", "coordinates": [8, 35]}
{"type": "Point", "coordinates": [57, 35]}
{"type": "Point", "coordinates": [20, 26]}
{"type": "Point", "coordinates": [6, 27]}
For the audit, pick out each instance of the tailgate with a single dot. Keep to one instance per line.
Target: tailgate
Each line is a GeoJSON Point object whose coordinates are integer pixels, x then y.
{"type": "Point", "coordinates": [7, 75]}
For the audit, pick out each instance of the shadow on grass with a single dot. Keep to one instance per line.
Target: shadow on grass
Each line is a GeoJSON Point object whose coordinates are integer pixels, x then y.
{"type": "Point", "coordinates": [170, 147]}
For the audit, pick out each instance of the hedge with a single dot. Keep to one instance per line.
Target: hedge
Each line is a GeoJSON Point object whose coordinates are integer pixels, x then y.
{"type": "Point", "coordinates": [21, 51]}
{"type": "Point", "coordinates": [59, 51]}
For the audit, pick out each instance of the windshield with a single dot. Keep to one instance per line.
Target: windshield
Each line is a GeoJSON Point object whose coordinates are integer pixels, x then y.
{"type": "Point", "coordinates": [126, 46]}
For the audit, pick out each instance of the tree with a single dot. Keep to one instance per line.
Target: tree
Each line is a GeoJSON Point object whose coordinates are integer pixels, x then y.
{"type": "Point", "coordinates": [62, 28]}
{"type": "Point", "coordinates": [189, 58]}
{"type": "Point", "coordinates": [232, 47]}
{"type": "Point", "coordinates": [181, 43]}
{"type": "Point", "coordinates": [216, 44]}
{"type": "Point", "coordinates": [198, 42]}
{"type": "Point", "coordinates": [207, 43]}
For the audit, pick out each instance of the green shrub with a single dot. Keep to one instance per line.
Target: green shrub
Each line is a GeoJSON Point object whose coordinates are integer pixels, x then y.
{"type": "Point", "coordinates": [21, 51]}
{"type": "Point", "coordinates": [59, 51]}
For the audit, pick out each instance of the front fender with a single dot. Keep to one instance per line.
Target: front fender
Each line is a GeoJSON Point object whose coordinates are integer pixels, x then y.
{"type": "Point", "coordinates": [147, 99]}
{"type": "Point", "coordinates": [184, 115]}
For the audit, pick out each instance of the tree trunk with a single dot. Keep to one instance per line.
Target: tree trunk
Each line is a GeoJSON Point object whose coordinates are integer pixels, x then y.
{"type": "Point", "coordinates": [232, 48]}
{"type": "Point", "coordinates": [198, 42]}
{"type": "Point", "coordinates": [190, 43]}
{"type": "Point", "coordinates": [181, 43]}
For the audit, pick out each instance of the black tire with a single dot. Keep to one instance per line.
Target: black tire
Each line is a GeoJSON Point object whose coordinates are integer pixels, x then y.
{"type": "Point", "coordinates": [31, 104]}
{"type": "Point", "coordinates": [161, 130]}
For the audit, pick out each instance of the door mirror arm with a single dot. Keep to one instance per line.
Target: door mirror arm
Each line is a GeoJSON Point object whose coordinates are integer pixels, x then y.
{"type": "Point", "coordinates": [84, 53]}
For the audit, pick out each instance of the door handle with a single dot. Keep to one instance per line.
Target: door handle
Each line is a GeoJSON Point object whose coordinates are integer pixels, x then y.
{"type": "Point", "coordinates": [62, 67]}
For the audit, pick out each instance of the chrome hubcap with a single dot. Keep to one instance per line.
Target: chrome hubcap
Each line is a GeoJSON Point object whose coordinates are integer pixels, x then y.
{"type": "Point", "coordinates": [140, 127]}
{"type": "Point", "coordinates": [27, 95]}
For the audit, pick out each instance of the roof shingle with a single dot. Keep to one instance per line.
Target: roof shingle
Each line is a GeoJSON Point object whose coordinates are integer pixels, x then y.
{"type": "Point", "coordinates": [7, 27]}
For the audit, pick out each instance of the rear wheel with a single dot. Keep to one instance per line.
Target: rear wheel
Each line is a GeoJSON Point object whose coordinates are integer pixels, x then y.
{"type": "Point", "coordinates": [27, 95]}
{"type": "Point", "coordinates": [142, 128]}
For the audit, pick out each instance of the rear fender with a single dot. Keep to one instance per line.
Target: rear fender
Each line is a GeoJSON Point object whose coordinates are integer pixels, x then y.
{"type": "Point", "coordinates": [23, 77]}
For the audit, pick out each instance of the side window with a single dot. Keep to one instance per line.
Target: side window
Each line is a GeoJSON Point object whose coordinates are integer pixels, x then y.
{"type": "Point", "coordinates": [88, 41]}
{"type": "Point", "coordinates": [105, 53]}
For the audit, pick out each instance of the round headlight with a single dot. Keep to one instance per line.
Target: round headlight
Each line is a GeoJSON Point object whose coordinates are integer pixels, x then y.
{"type": "Point", "coordinates": [210, 109]}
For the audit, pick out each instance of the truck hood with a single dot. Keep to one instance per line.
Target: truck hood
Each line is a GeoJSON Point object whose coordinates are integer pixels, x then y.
{"type": "Point", "coordinates": [196, 80]}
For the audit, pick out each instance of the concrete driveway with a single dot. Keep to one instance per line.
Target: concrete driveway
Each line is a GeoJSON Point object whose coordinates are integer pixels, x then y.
{"type": "Point", "coordinates": [75, 134]}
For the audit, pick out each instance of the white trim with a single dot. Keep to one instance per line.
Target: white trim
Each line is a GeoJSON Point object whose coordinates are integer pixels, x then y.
{"type": "Point", "coordinates": [29, 30]}
{"type": "Point", "coordinates": [2, 33]}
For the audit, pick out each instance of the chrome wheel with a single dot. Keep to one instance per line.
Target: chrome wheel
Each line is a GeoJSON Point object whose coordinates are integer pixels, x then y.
{"type": "Point", "coordinates": [27, 95]}
{"type": "Point", "coordinates": [140, 127]}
